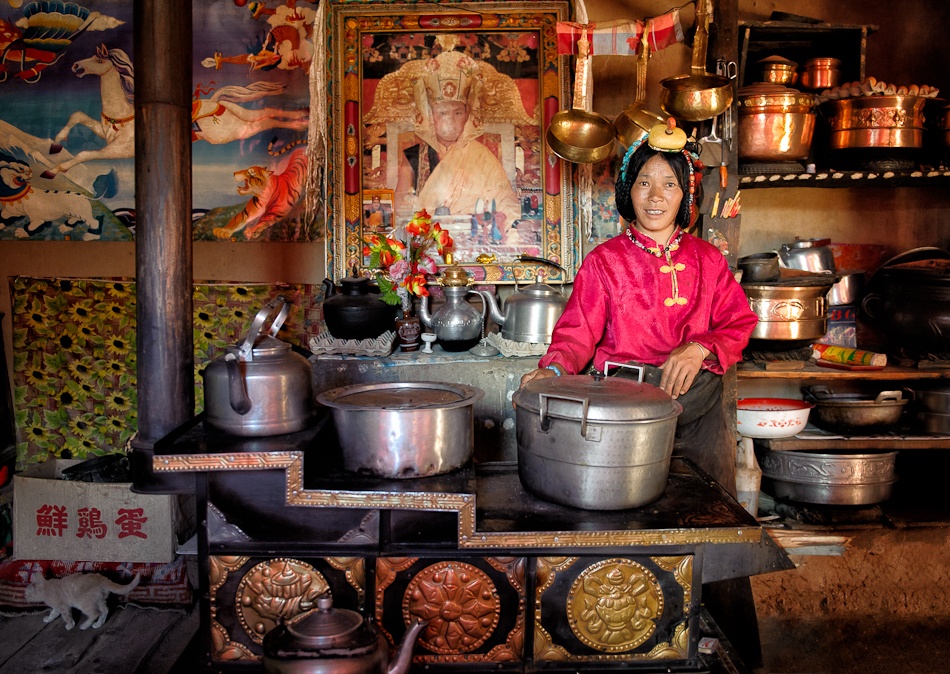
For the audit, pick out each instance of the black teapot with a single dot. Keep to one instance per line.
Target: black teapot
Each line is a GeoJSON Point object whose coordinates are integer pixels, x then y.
{"type": "Point", "coordinates": [354, 310]}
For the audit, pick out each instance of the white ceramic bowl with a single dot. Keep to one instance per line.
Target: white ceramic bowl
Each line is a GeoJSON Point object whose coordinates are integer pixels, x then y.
{"type": "Point", "coordinates": [771, 417]}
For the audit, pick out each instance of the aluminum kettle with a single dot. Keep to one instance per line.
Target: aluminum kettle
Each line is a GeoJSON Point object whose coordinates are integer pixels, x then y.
{"type": "Point", "coordinates": [260, 386]}
{"type": "Point", "coordinates": [529, 314]}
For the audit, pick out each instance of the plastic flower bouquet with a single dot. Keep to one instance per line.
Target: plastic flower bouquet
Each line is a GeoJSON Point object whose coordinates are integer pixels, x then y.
{"type": "Point", "coordinates": [402, 266]}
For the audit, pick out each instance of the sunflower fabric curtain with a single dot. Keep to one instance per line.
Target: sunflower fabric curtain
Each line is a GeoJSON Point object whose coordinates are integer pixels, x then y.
{"type": "Point", "coordinates": [74, 356]}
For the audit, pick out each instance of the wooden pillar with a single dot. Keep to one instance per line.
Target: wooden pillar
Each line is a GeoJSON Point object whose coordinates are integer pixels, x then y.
{"type": "Point", "coordinates": [163, 237]}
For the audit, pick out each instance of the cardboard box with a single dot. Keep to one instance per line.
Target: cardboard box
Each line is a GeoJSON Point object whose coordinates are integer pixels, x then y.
{"type": "Point", "coordinates": [88, 521]}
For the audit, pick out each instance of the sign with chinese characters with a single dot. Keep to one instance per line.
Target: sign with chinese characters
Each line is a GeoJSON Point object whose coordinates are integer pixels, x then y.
{"type": "Point", "coordinates": [84, 521]}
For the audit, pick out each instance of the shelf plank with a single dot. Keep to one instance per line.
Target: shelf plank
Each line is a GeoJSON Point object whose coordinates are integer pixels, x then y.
{"type": "Point", "coordinates": [748, 370]}
{"type": "Point", "coordinates": [847, 178]}
{"type": "Point", "coordinates": [888, 442]}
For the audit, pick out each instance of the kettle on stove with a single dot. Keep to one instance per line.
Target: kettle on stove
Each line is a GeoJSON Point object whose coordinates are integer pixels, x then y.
{"type": "Point", "coordinates": [260, 386]}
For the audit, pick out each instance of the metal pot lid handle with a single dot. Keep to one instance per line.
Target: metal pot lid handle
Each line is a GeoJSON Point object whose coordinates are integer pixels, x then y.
{"type": "Point", "coordinates": [246, 347]}
{"type": "Point", "coordinates": [543, 413]}
{"type": "Point", "coordinates": [638, 368]}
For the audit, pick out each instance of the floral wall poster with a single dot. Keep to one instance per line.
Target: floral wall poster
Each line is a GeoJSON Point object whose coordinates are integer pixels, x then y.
{"type": "Point", "coordinates": [67, 80]}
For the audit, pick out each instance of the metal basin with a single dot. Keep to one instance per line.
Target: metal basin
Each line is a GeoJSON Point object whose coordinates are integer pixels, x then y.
{"type": "Point", "coordinates": [834, 479]}
{"type": "Point", "coordinates": [854, 412]}
{"type": "Point", "coordinates": [404, 429]}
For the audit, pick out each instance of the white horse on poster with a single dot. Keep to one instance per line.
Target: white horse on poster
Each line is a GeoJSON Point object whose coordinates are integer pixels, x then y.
{"type": "Point", "coordinates": [217, 119]}
{"type": "Point", "coordinates": [116, 123]}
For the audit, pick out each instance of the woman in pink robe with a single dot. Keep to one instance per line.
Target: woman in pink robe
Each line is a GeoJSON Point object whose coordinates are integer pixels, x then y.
{"type": "Point", "coordinates": [659, 297]}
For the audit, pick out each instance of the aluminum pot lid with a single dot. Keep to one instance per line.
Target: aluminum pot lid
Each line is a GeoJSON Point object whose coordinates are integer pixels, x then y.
{"type": "Point", "coordinates": [405, 395]}
{"type": "Point", "coordinates": [609, 399]}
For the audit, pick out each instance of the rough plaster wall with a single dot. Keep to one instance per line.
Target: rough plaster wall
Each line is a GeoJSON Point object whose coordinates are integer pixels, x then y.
{"type": "Point", "coordinates": [897, 572]}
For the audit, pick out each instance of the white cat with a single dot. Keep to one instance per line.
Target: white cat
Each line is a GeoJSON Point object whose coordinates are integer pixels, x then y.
{"type": "Point", "coordinates": [84, 591]}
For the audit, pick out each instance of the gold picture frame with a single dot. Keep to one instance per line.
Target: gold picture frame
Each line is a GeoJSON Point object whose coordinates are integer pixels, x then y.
{"type": "Point", "coordinates": [491, 181]}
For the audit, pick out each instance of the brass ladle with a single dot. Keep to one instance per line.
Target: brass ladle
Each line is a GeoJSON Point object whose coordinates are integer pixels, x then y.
{"type": "Point", "coordinates": [579, 135]}
{"type": "Point", "coordinates": [634, 123]}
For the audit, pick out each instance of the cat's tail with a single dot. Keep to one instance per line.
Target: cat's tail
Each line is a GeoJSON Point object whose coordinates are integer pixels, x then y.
{"type": "Point", "coordinates": [125, 589]}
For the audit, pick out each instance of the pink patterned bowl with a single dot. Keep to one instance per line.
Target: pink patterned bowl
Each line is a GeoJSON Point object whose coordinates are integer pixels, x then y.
{"type": "Point", "coordinates": [771, 417]}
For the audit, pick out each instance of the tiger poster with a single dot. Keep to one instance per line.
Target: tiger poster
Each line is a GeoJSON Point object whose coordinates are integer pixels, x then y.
{"type": "Point", "coordinates": [67, 120]}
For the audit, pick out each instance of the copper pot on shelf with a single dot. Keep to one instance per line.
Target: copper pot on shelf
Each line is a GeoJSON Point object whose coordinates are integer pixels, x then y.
{"type": "Point", "coordinates": [776, 123]}
{"type": "Point", "coordinates": [778, 70]}
{"type": "Point", "coordinates": [820, 73]}
{"type": "Point", "coordinates": [875, 121]}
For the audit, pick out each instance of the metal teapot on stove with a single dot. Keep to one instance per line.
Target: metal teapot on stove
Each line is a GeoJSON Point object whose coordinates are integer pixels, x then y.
{"type": "Point", "coordinates": [260, 386]}
{"type": "Point", "coordinates": [331, 640]}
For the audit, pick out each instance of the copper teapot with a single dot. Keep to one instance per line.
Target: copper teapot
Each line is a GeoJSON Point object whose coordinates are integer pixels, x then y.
{"type": "Point", "coordinates": [330, 640]}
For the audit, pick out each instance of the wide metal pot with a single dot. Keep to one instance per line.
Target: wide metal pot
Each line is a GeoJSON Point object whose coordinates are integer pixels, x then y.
{"type": "Point", "coordinates": [859, 478]}
{"type": "Point", "coordinates": [910, 303]}
{"type": "Point", "coordinates": [597, 443]}
{"type": "Point", "coordinates": [404, 429]}
{"type": "Point", "coordinates": [775, 123]}
{"type": "Point", "coordinates": [854, 412]}
{"type": "Point", "coordinates": [848, 290]}
{"type": "Point", "coordinates": [875, 122]}
{"type": "Point", "coordinates": [789, 312]}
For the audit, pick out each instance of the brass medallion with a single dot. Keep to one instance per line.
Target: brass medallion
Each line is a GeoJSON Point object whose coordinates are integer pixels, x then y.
{"type": "Point", "coordinates": [613, 605]}
{"type": "Point", "coordinates": [277, 589]}
{"type": "Point", "coordinates": [460, 602]}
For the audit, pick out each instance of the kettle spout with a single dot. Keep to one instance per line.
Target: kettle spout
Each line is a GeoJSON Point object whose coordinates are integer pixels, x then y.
{"type": "Point", "coordinates": [424, 314]}
{"type": "Point", "coordinates": [400, 664]}
{"type": "Point", "coordinates": [493, 309]}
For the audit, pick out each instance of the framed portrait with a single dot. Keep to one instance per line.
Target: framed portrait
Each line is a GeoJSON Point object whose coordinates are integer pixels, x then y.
{"type": "Point", "coordinates": [378, 211]}
{"type": "Point", "coordinates": [444, 107]}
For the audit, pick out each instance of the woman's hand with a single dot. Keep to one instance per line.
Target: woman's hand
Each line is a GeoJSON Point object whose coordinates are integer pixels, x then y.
{"type": "Point", "coordinates": [540, 373]}
{"type": "Point", "coordinates": [681, 368]}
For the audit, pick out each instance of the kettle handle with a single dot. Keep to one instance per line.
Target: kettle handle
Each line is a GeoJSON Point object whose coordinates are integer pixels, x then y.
{"type": "Point", "coordinates": [246, 347]}
{"type": "Point", "coordinates": [237, 388]}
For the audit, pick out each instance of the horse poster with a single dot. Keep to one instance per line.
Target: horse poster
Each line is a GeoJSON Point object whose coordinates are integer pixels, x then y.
{"type": "Point", "coordinates": [67, 120]}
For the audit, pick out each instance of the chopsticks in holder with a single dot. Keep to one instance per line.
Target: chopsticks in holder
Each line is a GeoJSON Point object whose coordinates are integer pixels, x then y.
{"type": "Point", "coordinates": [730, 207]}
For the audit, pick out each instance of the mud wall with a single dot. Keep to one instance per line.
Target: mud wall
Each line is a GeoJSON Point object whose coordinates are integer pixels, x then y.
{"type": "Point", "coordinates": [896, 572]}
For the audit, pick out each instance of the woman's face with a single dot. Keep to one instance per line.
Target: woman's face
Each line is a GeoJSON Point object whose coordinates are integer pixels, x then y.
{"type": "Point", "coordinates": [656, 196]}
{"type": "Point", "coordinates": [449, 118]}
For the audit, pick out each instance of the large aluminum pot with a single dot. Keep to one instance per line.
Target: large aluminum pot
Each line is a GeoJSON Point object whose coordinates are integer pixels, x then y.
{"type": "Point", "coordinates": [854, 412]}
{"type": "Point", "coordinates": [835, 479]}
{"type": "Point", "coordinates": [260, 386]}
{"type": "Point", "coordinates": [404, 429]}
{"type": "Point", "coordinates": [597, 443]}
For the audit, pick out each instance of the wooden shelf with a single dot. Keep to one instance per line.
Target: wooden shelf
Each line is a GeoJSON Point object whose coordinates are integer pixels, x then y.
{"type": "Point", "coordinates": [890, 441]}
{"type": "Point", "coordinates": [848, 178]}
{"type": "Point", "coordinates": [749, 370]}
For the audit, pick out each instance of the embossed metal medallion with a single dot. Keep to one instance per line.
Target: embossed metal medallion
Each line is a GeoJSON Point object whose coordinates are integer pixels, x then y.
{"type": "Point", "coordinates": [613, 605]}
{"type": "Point", "coordinates": [277, 589]}
{"type": "Point", "coordinates": [460, 602]}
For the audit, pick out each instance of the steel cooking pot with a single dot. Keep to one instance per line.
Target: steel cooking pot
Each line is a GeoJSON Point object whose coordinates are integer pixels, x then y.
{"type": "Point", "coordinates": [594, 442]}
{"type": "Point", "coordinates": [910, 301]}
{"type": "Point", "coordinates": [790, 312]}
{"type": "Point", "coordinates": [854, 412]}
{"type": "Point", "coordinates": [858, 478]}
{"type": "Point", "coordinates": [330, 640]}
{"type": "Point", "coordinates": [260, 386]}
{"type": "Point", "coordinates": [404, 429]}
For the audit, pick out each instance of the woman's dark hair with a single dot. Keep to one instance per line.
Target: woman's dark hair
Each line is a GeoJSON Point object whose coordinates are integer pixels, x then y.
{"type": "Point", "coordinates": [677, 161]}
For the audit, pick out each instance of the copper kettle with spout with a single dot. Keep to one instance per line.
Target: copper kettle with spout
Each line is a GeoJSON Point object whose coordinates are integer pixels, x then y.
{"type": "Point", "coordinates": [330, 640]}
